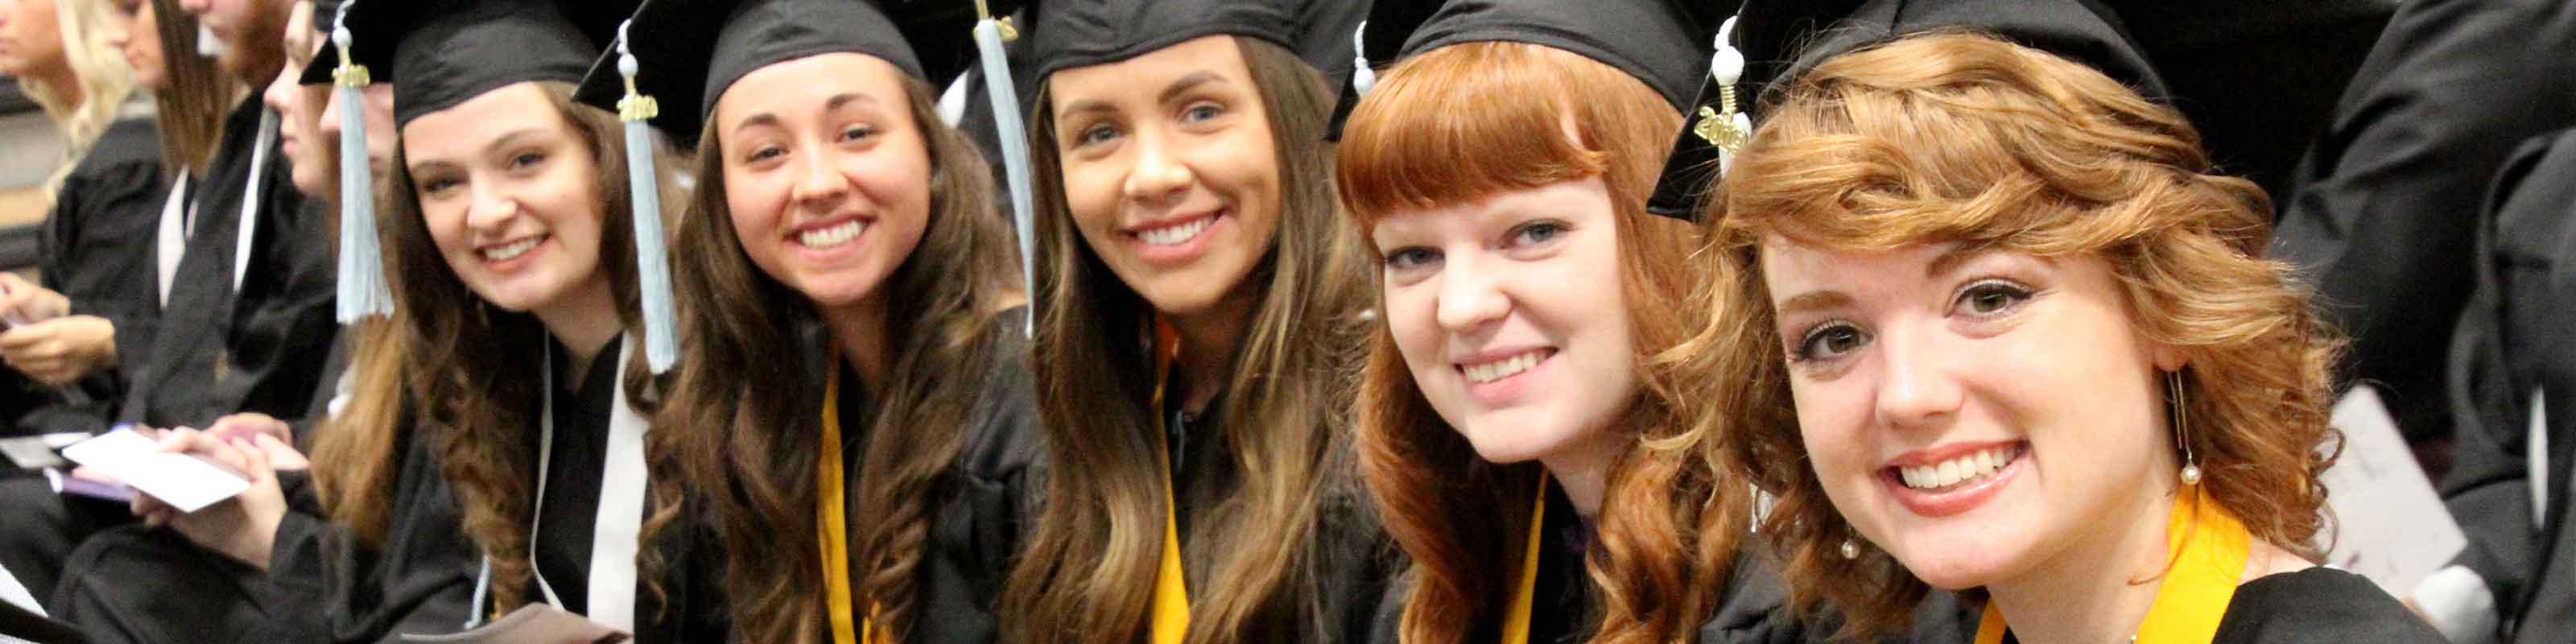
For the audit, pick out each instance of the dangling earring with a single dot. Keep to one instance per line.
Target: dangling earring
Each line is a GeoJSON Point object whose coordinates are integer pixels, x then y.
{"type": "Point", "coordinates": [1850, 550]}
{"type": "Point", "coordinates": [2181, 423]}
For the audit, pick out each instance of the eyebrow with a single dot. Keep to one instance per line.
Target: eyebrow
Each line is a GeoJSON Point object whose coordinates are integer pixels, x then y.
{"type": "Point", "coordinates": [1949, 260]}
{"type": "Point", "coordinates": [1814, 301]}
{"type": "Point", "coordinates": [1174, 90]}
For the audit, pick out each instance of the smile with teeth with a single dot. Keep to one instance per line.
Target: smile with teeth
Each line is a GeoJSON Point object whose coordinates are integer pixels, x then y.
{"type": "Point", "coordinates": [512, 250]}
{"type": "Point", "coordinates": [1492, 370]}
{"type": "Point", "coordinates": [1175, 234]}
{"type": "Point", "coordinates": [1959, 471]}
{"type": "Point", "coordinates": [833, 235]}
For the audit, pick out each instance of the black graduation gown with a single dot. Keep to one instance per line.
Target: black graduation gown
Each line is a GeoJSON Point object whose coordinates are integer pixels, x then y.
{"type": "Point", "coordinates": [1353, 565]}
{"type": "Point", "coordinates": [689, 608]}
{"type": "Point", "coordinates": [2319, 606]}
{"type": "Point", "coordinates": [133, 584]}
{"type": "Point", "coordinates": [2514, 339]}
{"type": "Point", "coordinates": [988, 504]}
{"type": "Point", "coordinates": [2380, 211]}
{"type": "Point", "coordinates": [97, 251]}
{"type": "Point", "coordinates": [218, 351]}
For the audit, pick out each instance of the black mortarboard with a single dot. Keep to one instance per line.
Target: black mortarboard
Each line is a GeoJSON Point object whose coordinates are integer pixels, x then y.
{"type": "Point", "coordinates": [1080, 33]}
{"type": "Point", "coordinates": [438, 53]}
{"type": "Point", "coordinates": [2075, 29]}
{"type": "Point", "coordinates": [688, 51]}
{"type": "Point", "coordinates": [1660, 42]}
{"type": "Point", "coordinates": [324, 12]}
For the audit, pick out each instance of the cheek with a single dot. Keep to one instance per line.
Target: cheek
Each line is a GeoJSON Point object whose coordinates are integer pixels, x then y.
{"type": "Point", "coordinates": [1091, 192]}
{"type": "Point", "coordinates": [1412, 317]}
{"type": "Point", "coordinates": [1830, 422]}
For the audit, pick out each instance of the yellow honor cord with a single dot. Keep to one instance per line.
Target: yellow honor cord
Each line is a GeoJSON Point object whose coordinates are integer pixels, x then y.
{"type": "Point", "coordinates": [834, 531]}
{"type": "Point", "coordinates": [1171, 613]}
{"type": "Point", "coordinates": [1516, 623]}
{"type": "Point", "coordinates": [2210, 550]}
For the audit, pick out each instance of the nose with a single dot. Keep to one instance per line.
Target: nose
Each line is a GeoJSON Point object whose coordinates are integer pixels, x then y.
{"type": "Point", "coordinates": [1470, 298]}
{"type": "Point", "coordinates": [280, 92]}
{"type": "Point", "coordinates": [820, 185]}
{"type": "Point", "coordinates": [1159, 174]}
{"type": "Point", "coordinates": [331, 114]}
{"type": "Point", "coordinates": [1916, 387]}
{"type": "Point", "coordinates": [491, 212]}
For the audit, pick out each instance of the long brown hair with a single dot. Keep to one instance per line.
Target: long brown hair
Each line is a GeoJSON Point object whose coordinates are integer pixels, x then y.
{"type": "Point", "coordinates": [462, 375]}
{"type": "Point", "coordinates": [1463, 122]}
{"type": "Point", "coordinates": [194, 97]}
{"type": "Point", "coordinates": [742, 417]}
{"type": "Point", "coordinates": [1087, 573]}
{"type": "Point", "coordinates": [1968, 139]}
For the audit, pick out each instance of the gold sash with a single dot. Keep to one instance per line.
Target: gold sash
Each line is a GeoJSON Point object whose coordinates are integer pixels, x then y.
{"type": "Point", "coordinates": [834, 528]}
{"type": "Point", "coordinates": [2210, 548]}
{"type": "Point", "coordinates": [1516, 623]}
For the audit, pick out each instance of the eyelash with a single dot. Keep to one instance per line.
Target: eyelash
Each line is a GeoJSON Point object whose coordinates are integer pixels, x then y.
{"type": "Point", "coordinates": [1808, 351]}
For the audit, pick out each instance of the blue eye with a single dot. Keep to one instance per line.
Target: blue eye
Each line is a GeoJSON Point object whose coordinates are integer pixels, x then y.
{"type": "Point", "coordinates": [1407, 258]}
{"type": "Point", "coordinates": [1094, 135]}
{"type": "Point", "coordinates": [1828, 341]}
{"type": "Point", "coordinates": [1202, 112]}
{"type": "Point", "coordinates": [1538, 232]}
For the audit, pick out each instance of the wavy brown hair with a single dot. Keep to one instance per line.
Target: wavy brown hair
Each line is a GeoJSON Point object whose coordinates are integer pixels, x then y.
{"type": "Point", "coordinates": [1462, 123]}
{"type": "Point", "coordinates": [1961, 138]}
{"type": "Point", "coordinates": [461, 376]}
{"type": "Point", "coordinates": [1087, 571]}
{"type": "Point", "coordinates": [742, 419]}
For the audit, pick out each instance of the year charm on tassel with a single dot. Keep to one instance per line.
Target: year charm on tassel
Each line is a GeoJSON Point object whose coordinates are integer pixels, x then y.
{"type": "Point", "coordinates": [1725, 127]}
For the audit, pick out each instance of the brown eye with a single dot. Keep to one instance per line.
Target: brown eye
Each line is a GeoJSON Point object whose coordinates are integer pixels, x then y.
{"type": "Point", "coordinates": [1989, 298]}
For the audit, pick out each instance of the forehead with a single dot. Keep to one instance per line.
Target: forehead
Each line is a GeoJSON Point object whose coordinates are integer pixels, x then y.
{"type": "Point", "coordinates": [1145, 76]}
{"type": "Point", "coordinates": [1791, 266]}
{"type": "Point", "coordinates": [468, 126]}
{"type": "Point", "coordinates": [797, 86]}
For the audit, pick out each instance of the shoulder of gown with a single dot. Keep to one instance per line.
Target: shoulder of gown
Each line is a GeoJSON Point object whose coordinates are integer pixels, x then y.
{"type": "Point", "coordinates": [2319, 606]}
{"type": "Point", "coordinates": [1756, 609]}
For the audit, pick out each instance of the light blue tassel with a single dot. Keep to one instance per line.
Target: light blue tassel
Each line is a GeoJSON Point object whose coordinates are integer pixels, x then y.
{"type": "Point", "coordinates": [363, 290]}
{"type": "Point", "coordinates": [1015, 148]}
{"type": "Point", "coordinates": [652, 252]}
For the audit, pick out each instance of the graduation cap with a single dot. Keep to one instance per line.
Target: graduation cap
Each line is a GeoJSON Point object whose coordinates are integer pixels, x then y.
{"type": "Point", "coordinates": [690, 51]}
{"type": "Point", "coordinates": [1657, 41]}
{"type": "Point", "coordinates": [1065, 34]}
{"type": "Point", "coordinates": [2075, 29]}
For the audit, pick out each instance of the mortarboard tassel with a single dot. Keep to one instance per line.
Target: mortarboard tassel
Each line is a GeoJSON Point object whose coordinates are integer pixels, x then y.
{"type": "Point", "coordinates": [989, 34]}
{"type": "Point", "coordinates": [652, 252]}
{"type": "Point", "coordinates": [1725, 127]}
{"type": "Point", "coordinates": [1362, 78]}
{"type": "Point", "coordinates": [363, 290]}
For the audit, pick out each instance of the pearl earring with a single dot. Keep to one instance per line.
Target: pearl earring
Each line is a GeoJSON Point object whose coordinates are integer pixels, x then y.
{"type": "Point", "coordinates": [1850, 550]}
{"type": "Point", "coordinates": [2182, 434]}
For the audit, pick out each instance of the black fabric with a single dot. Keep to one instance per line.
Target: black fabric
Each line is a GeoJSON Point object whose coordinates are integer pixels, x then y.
{"type": "Point", "coordinates": [2256, 119]}
{"type": "Point", "coordinates": [98, 247]}
{"type": "Point", "coordinates": [2319, 606]}
{"type": "Point", "coordinates": [1755, 611]}
{"type": "Point", "coordinates": [217, 351]}
{"type": "Point", "coordinates": [1080, 33]}
{"type": "Point", "coordinates": [1663, 43]}
{"type": "Point", "coordinates": [2513, 340]}
{"type": "Point", "coordinates": [1353, 563]}
{"type": "Point", "coordinates": [438, 53]}
{"type": "Point", "coordinates": [44, 527]}
{"type": "Point", "coordinates": [570, 506]}
{"type": "Point", "coordinates": [322, 584]}
{"type": "Point", "coordinates": [2380, 213]}
{"type": "Point", "coordinates": [991, 500]}
{"type": "Point", "coordinates": [688, 52]}
{"type": "Point", "coordinates": [2076, 29]}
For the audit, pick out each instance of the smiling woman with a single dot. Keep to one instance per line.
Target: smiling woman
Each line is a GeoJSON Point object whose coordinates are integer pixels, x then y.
{"type": "Point", "coordinates": [1985, 320]}
{"type": "Point", "coordinates": [1196, 309]}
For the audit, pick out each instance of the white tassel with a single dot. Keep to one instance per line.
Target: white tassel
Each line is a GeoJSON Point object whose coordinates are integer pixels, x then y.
{"type": "Point", "coordinates": [1362, 78]}
{"type": "Point", "coordinates": [1015, 149]}
{"type": "Point", "coordinates": [363, 290]}
{"type": "Point", "coordinates": [652, 250]}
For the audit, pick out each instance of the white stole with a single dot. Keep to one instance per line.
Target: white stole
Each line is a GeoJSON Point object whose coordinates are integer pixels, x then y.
{"type": "Point", "coordinates": [621, 506]}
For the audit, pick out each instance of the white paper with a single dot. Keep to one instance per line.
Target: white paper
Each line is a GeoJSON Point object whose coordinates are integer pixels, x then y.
{"type": "Point", "coordinates": [2388, 522]}
{"type": "Point", "coordinates": [182, 481]}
